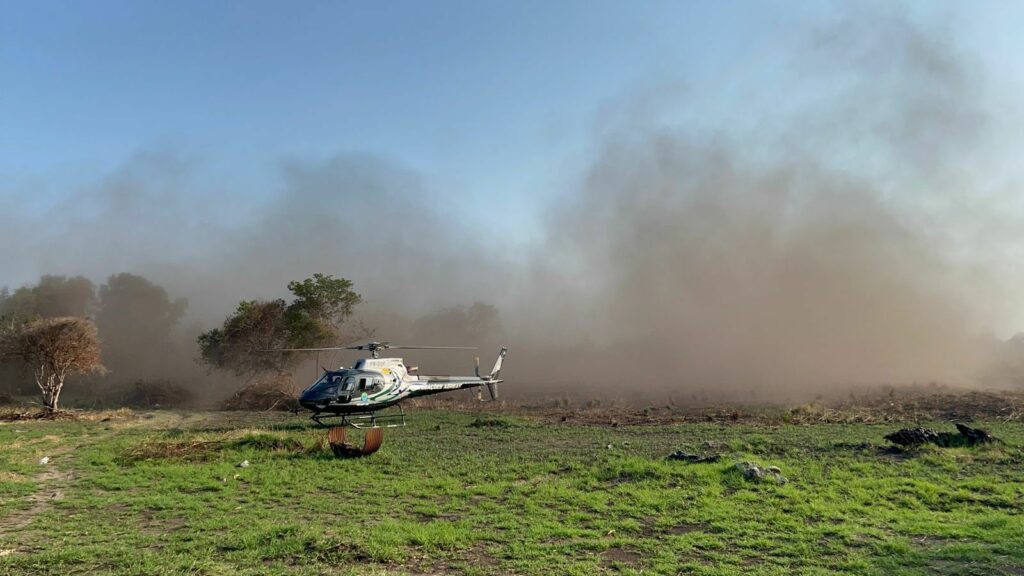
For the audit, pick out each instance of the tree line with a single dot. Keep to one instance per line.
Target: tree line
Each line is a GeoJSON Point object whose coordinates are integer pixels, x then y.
{"type": "Point", "coordinates": [54, 329]}
{"type": "Point", "coordinates": [128, 326]}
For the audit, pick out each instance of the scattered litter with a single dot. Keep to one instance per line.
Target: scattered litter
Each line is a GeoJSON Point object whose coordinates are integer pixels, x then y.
{"type": "Point", "coordinates": [965, 436]}
{"type": "Point", "coordinates": [7, 552]}
{"type": "Point", "coordinates": [244, 464]}
{"type": "Point", "coordinates": [753, 471]}
{"type": "Point", "coordinates": [692, 458]}
{"type": "Point", "coordinates": [609, 447]}
{"type": "Point", "coordinates": [44, 460]}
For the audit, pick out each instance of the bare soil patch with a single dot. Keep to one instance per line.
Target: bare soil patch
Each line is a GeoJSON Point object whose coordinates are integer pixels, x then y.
{"type": "Point", "coordinates": [150, 523]}
{"type": "Point", "coordinates": [881, 405]}
{"type": "Point", "coordinates": [621, 556]}
{"type": "Point", "coordinates": [687, 527]}
{"type": "Point", "coordinates": [51, 481]}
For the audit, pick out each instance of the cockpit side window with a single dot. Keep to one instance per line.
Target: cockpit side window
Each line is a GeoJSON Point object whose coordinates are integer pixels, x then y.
{"type": "Point", "coordinates": [350, 383]}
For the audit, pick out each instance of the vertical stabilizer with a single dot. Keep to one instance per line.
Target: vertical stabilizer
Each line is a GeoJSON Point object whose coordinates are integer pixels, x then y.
{"type": "Point", "coordinates": [497, 364]}
{"type": "Point", "coordinates": [492, 380]}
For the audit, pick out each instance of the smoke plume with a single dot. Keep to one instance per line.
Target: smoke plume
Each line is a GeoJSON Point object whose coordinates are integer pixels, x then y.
{"type": "Point", "coordinates": [815, 244]}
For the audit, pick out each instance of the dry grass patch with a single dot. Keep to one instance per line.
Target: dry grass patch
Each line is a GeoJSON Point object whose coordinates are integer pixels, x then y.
{"type": "Point", "coordinates": [21, 413]}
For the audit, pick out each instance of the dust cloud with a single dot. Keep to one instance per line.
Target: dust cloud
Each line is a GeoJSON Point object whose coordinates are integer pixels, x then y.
{"type": "Point", "coordinates": [823, 249]}
{"type": "Point", "coordinates": [813, 246]}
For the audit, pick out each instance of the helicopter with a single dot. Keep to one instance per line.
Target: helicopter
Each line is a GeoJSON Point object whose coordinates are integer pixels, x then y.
{"type": "Point", "coordinates": [355, 395]}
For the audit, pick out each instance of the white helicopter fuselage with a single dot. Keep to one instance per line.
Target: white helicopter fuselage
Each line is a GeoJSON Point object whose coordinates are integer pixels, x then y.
{"type": "Point", "coordinates": [376, 383]}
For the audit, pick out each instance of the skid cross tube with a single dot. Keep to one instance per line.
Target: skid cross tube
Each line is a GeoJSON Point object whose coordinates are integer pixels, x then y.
{"type": "Point", "coordinates": [365, 420]}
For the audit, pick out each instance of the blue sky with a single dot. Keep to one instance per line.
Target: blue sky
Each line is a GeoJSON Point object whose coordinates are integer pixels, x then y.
{"type": "Point", "coordinates": [494, 102]}
{"type": "Point", "coordinates": [498, 105]}
{"type": "Point", "coordinates": [491, 100]}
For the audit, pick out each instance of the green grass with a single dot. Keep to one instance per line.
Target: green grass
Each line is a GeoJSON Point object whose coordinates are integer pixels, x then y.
{"type": "Point", "coordinates": [160, 495]}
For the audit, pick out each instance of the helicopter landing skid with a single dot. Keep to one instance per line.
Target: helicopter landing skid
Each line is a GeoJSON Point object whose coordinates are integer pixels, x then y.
{"type": "Point", "coordinates": [365, 421]}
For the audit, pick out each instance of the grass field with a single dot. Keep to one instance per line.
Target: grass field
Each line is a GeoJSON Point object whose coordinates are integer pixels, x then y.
{"type": "Point", "coordinates": [162, 493]}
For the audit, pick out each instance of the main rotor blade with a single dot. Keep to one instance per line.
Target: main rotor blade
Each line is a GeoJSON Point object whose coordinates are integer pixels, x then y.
{"type": "Point", "coordinates": [370, 347]}
{"type": "Point", "coordinates": [302, 349]}
{"type": "Point", "coordinates": [433, 347]}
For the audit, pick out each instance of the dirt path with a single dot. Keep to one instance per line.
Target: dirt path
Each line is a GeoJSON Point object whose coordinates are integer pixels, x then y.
{"type": "Point", "coordinates": [52, 484]}
{"type": "Point", "coordinates": [50, 489]}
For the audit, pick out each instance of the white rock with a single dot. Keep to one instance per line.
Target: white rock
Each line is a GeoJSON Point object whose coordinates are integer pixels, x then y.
{"type": "Point", "coordinates": [244, 464]}
{"type": "Point", "coordinates": [44, 460]}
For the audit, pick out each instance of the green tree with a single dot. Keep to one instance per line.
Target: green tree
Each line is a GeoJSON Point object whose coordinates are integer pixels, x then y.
{"type": "Point", "coordinates": [315, 317]}
{"type": "Point", "coordinates": [239, 345]}
{"type": "Point", "coordinates": [324, 299]}
{"type": "Point", "coordinates": [53, 296]}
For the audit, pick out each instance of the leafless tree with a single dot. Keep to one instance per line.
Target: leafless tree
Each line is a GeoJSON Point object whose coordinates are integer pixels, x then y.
{"type": "Point", "coordinates": [53, 348]}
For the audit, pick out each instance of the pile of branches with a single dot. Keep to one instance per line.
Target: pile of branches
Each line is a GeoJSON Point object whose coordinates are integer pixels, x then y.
{"type": "Point", "coordinates": [965, 436]}
{"type": "Point", "coordinates": [15, 413]}
{"type": "Point", "coordinates": [275, 392]}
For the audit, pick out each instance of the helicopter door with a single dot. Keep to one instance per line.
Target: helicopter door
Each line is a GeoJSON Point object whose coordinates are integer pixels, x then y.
{"type": "Point", "coordinates": [348, 386]}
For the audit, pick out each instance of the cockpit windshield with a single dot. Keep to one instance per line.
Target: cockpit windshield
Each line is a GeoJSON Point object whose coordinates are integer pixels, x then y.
{"type": "Point", "coordinates": [345, 383]}
{"type": "Point", "coordinates": [329, 383]}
